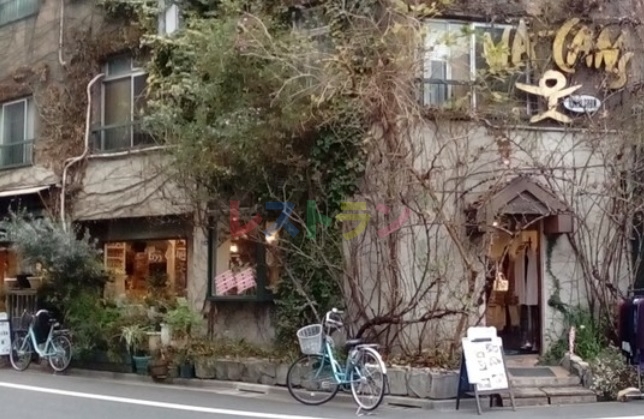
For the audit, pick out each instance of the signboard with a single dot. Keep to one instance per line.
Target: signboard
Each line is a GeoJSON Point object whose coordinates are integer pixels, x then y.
{"type": "Point", "coordinates": [5, 335]}
{"type": "Point", "coordinates": [582, 103]}
{"type": "Point", "coordinates": [483, 366]}
{"type": "Point", "coordinates": [484, 362]}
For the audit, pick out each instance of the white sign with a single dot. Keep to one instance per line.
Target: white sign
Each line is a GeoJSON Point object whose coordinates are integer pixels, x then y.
{"type": "Point", "coordinates": [5, 336]}
{"type": "Point", "coordinates": [582, 103]}
{"type": "Point", "coordinates": [484, 361]}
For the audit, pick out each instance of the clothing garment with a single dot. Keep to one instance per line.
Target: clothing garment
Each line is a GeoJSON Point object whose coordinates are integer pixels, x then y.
{"type": "Point", "coordinates": [639, 328]}
{"type": "Point", "coordinates": [519, 276]}
{"type": "Point", "coordinates": [531, 279]}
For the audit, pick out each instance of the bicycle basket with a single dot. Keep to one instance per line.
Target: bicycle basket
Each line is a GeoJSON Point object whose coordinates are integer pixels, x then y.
{"type": "Point", "coordinates": [310, 338]}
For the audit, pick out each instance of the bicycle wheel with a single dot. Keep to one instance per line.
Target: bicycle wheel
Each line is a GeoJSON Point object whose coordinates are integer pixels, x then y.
{"type": "Point", "coordinates": [21, 352]}
{"type": "Point", "coordinates": [367, 374]}
{"type": "Point", "coordinates": [311, 376]}
{"type": "Point", "coordinates": [63, 357]}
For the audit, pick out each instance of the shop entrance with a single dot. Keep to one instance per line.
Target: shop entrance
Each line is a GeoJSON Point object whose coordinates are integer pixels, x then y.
{"type": "Point", "coordinates": [513, 286]}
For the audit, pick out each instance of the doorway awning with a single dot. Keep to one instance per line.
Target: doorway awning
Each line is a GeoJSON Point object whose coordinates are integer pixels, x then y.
{"type": "Point", "coordinates": [520, 196]}
{"type": "Point", "coordinates": [23, 191]}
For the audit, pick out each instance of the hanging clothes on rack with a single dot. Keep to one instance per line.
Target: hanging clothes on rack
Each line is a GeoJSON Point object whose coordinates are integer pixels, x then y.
{"type": "Point", "coordinates": [519, 276]}
{"type": "Point", "coordinates": [531, 278]}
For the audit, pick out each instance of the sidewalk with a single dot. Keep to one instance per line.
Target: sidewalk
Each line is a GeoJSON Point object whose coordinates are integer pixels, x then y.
{"type": "Point", "coordinates": [343, 406]}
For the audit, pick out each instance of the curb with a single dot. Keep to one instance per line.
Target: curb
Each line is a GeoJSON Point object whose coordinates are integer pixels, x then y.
{"type": "Point", "coordinates": [268, 390]}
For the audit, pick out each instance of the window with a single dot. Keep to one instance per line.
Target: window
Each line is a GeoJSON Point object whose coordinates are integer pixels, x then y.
{"type": "Point", "coordinates": [13, 10]}
{"type": "Point", "coordinates": [168, 17]}
{"type": "Point", "coordinates": [243, 268]}
{"type": "Point", "coordinates": [17, 129]}
{"type": "Point", "coordinates": [457, 71]}
{"type": "Point", "coordinates": [310, 22]}
{"type": "Point", "coordinates": [140, 266]}
{"type": "Point", "coordinates": [123, 102]}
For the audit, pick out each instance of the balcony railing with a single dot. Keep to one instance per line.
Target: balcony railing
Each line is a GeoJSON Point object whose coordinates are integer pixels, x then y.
{"type": "Point", "coordinates": [16, 154]}
{"type": "Point", "coordinates": [120, 137]}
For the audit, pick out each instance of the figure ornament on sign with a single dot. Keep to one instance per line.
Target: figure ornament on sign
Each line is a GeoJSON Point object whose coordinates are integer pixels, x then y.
{"type": "Point", "coordinates": [552, 93]}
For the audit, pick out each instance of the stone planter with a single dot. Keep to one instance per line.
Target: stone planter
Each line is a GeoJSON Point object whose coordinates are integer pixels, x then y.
{"type": "Point", "coordinates": [422, 383]}
{"type": "Point", "coordinates": [206, 368]}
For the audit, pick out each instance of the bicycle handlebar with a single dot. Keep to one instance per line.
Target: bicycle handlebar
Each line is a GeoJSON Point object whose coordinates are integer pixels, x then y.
{"type": "Point", "coordinates": [329, 320]}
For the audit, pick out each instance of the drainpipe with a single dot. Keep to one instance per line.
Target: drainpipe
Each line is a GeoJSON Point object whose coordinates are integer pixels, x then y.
{"type": "Point", "coordinates": [69, 162]}
{"type": "Point", "coordinates": [61, 33]}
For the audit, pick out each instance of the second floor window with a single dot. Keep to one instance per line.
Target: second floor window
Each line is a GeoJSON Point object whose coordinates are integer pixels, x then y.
{"type": "Point", "coordinates": [12, 10]}
{"type": "Point", "coordinates": [455, 59]}
{"type": "Point", "coordinates": [17, 121]}
{"type": "Point", "coordinates": [123, 101]}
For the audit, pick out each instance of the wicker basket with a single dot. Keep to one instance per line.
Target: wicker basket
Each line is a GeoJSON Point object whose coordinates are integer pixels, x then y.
{"type": "Point", "coordinates": [310, 338]}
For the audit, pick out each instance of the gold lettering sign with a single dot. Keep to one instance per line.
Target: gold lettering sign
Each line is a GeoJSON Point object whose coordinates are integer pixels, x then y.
{"type": "Point", "coordinates": [601, 52]}
{"type": "Point", "coordinates": [573, 42]}
{"type": "Point", "coordinates": [553, 92]}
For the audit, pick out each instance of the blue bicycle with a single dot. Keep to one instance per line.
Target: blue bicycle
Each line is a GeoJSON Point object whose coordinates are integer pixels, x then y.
{"type": "Point", "coordinates": [318, 372]}
{"type": "Point", "coordinates": [57, 348]}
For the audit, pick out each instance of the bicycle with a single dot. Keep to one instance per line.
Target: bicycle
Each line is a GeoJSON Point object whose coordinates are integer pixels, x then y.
{"type": "Point", "coordinates": [57, 349]}
{"type": "Point", "coordinates": [317, 345]}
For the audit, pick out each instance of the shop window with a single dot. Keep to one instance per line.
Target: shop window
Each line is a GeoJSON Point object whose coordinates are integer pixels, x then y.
{"type": "Point", "coordinates": [243, 268]}
{"type": "Point", "coordinates": [137, 266]}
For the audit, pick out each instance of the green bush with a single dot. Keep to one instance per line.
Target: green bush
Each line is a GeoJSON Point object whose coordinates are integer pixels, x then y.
{"type": "Point", "coordinates": [590, 337]}
{"type": "Point", "coordinates": [69, 258]}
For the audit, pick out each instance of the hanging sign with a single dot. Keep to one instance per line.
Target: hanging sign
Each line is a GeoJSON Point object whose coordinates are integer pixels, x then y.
{"type": "Point", "coordinates": [582, 103]}
{"type": "Point", "coordinates": [483, 365]}
{"type": "Point", "coordinates": [5, 335]}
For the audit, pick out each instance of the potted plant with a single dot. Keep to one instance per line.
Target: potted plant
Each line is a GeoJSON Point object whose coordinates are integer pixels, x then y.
{"type": "Point", "coordinates": [159, 366]}
{"type": "Point", "coordinates": [182, 322]}
{"type": "Point", "coordinates": [184, 361]}
{"type": "Point", "coordinates": [135, 339]}
{"type": "Point", "coordinates": [203, 352]}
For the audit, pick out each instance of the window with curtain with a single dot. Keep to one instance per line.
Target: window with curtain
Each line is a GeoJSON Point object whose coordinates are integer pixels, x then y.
{"type": "Point", "coordinates": [123, 100]}
{"type": "Point", "coordinates": [13, 10]}
{"type": "Point", "coordinates": [18, 126]}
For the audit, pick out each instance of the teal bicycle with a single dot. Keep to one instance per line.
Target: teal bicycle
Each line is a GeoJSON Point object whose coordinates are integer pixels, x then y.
{"type": "Point", "coordinates": [57, 348]}
{"type": "Point", "coordinates": [316, 377]}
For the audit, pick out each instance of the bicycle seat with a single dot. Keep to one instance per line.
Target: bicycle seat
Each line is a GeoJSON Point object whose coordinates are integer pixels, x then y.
{"type": "Point", "coordinates": [352, 343]}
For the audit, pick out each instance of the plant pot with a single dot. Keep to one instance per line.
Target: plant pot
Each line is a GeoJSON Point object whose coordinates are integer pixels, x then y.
{"type": "Point", "coordinates": [154, 341]}
{"type": "Point", "coordinates": [205, 368]}
{"type": "Point", "coordinates": [166, 334]}
{"type": "Point", "coordinates": [141, 364]}
{"type": "Point", "coordinates": [187, 371]}
{"type": "Point", "coordinates": [158, 369]}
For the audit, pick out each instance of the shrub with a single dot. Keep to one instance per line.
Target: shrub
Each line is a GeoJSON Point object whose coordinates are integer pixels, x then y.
{"type": "Point", "coordinates": [69, 258]}
{"type": "Point", "coordinates": [611, 373]}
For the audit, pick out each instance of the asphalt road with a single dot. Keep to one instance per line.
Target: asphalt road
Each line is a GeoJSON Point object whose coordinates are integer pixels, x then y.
{"type": "Point", "coordinates": [37, 395]}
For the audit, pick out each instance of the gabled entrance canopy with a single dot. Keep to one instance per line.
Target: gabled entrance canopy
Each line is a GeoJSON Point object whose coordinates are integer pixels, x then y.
{"type": "Point", "coordinates": [520, 196]}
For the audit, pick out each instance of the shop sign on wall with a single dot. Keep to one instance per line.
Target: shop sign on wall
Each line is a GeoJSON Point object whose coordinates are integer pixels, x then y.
{"type": "Point", "coordinates": [552, 87]}
{"type": "Point", "coordinates": [582, 104]}
{"type": "Point", "coordinates": [573, 42]}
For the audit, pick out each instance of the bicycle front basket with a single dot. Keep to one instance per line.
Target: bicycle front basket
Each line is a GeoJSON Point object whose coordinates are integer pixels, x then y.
{"type": "Point", "coordinates": [310, 338]}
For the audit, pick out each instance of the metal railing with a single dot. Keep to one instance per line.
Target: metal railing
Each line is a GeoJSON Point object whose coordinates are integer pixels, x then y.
{"type": "Point", "coordinates": [17, 301]}
{"type": "Point", "coordinates": [120, 137]}
{"type": "Point", "coordinates": [16, 154]}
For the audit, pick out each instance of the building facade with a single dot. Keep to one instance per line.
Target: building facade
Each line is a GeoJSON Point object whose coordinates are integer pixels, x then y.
{"type": "Point", "coordinates": [531, 118]}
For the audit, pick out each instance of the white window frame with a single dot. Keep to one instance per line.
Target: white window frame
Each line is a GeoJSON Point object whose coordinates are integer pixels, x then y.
{"type": "Point", "coordinates": [29, 131]}
{"type": "Point", "coordinates": [135, 71]}
{"type": "Point", "coordinates": [168, 9]}
{"type": "Point", "coordinates": [473, 26]}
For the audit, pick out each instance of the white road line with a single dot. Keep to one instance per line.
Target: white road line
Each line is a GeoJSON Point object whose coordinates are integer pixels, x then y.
{"type": "Point", "coordinates": [149, 403]}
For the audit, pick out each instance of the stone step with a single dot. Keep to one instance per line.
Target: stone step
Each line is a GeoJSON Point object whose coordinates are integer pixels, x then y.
{"type": "Point", "coordinates": [529, 382]}
{"type": "Point", "coordinates": [550, 396]}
